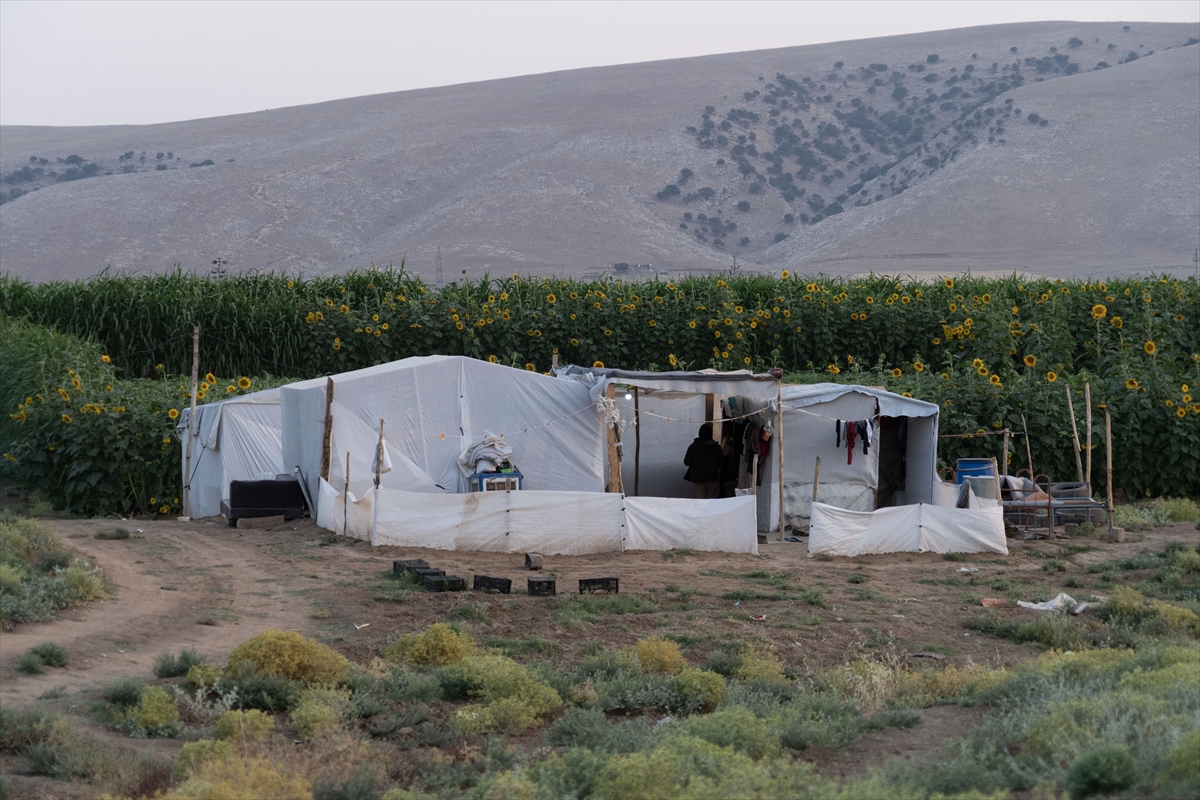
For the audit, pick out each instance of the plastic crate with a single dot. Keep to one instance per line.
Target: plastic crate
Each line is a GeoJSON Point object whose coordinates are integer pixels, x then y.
{"type": "Point", "coordinates": [592, 585]}
{"type": "Point", "coordinates": [428, 572]}
{"type": "Point", "coordinates": [486, 583]}
{"type": "Point", "coordinates": [409, 565]}
{"type": "Point", "coordinates": [445, 583]}
{"type": "Point", "coordinates": [542, 586]}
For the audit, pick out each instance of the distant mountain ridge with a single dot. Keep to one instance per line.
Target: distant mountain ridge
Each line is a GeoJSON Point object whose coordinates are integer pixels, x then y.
{"type": "Point", "coordinates": [1079, 153]}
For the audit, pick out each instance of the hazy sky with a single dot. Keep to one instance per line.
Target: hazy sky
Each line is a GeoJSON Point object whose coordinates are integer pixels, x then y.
{"type": "Point", "coordinates": [93, 63]}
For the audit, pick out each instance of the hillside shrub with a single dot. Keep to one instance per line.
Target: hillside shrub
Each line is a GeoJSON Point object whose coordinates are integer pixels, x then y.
{"type": "Point", "coordinates": [238, 777]}
{"type": "Point", "coordinates": [657, 654]}
{"type": "Point", "coordinates": [51, 654]}
{"type": "Point", "coordinates": [1105, 770]}
{"type": "Point", "coordinates": [437, 645]}
{"type": "Point", "coordinates": [759, 663]}
{"type": "Point", "coordinates": [250, 725]}
{"type": "Point", "coordinates": [154, 716]}
{"type": "Point", "coordinates": [37, 577]}
{"type": "Point", "coordinates": [321, 711]}
{"type": "Point", "coordinates": [698, 689]}
{"type": "Point", "coordinates": [169, 666]}
{"type": "Point", "coordinates": [193, 754]}
{"type": "Point", "coordinates": [289, 655]}
{"type": "Point", "coordinates": [868, 683]}
{"type": "Point", "coordinates": [509, 697]}
{"type": "Point", "coordinates": [736, 727]}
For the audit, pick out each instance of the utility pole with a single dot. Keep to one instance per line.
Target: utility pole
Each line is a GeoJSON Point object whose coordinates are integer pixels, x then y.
{"type": "Point", "coordinates": [1196, 262]}
{"type": "Point", "coordinates": [439, 267]}
{"type": "Point", "coordinates": [218, 270]}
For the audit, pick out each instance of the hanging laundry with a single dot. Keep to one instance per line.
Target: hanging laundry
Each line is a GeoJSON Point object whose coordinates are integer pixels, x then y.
{"type": "Point", "coordinates": [862, 428]}
{"type": "Point", "coordinates": [851, 434]}
{"type": "Point", "coordinates": [837, 428]}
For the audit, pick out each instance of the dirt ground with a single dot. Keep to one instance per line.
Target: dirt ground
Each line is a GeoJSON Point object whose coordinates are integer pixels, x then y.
{"type": "Point", "coordinates": [202, 585]}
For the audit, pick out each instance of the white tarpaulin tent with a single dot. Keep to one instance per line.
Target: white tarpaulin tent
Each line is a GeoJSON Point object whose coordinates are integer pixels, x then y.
{"type": "Point", "coordinates": [809, 414]}
{"type": "Point", "coordinates": [906, 529]}
{"type": "Point", "coordinates": [434, 409]}
{"type": "Point", "coordinates": [236, 440]}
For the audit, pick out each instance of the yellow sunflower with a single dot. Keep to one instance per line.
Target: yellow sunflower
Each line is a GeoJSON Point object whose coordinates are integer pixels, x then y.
{"type": "Point", "coordinates": [995, 379]}
{"type": "Point", "coordinates": [1099, 311]}
{"type": "Point", "coordinates": [243, 382]}
{"type": "Point", "coordinates": [1030, 360]}
{"type": "Point", "coordinates": [948, 283]}
{"type": "Point", "coordinates": [106, 359]}
{"type": "Point", "coordinates": [598, 364]}
{"type": "Point", "coordinates": [230, 389]}
{"type": "Point", "coordinates": [918, 366]}
{"type": "Point", "coordinates": [784, 274]}
{"type": "Point", "coordinates": [1181, 412]}
{"type": "Point", "coordinates": [897, 372]}
{"type": "Point", "coordinates": [1130, 383]}
{"type": "Point", "coordinates": [1117, 322]}
{"type": "Point", "coordinates": [1149, 347]}
{"type": "Point", "coordinates": [66, 418]}
{"type": "Point", "coordinates": [982, 370]}
{"type": "Point", "coordinates": [173, 413]}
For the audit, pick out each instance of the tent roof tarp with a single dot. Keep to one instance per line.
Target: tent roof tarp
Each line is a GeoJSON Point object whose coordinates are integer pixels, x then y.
{"type": "Point", "coordinates": [890, 404]}
{"type": "Point", "coordinates": [741, 382]}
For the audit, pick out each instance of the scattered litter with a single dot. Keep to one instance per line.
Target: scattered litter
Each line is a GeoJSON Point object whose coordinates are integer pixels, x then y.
{"type": "Point", "coordinates": [663, 721]}
{"type": "Point", "coordinates": [1063, 602]}
{"type": "Point", "coordinates": [737, 602]}
{"type": "Point", "coordinates": [839, 619]}
{"type": "Point", "coordinates": [993, 602]}
{"type": "Point", "coordinates": [966, 634]}
{"type": "Point", "coordinates": [968, 569]}
{"type": "Point", "coordinates": [139, 530]}
{"type": "Point", "coordinates": [797, 644]}
{"type": "Point", "coordinates": [758, 617]}
{"type": "Point", "coordinates": [791, 538]}
{"type": "Point", "coordinates": [189, 519]}
{"type": "Point", "coordinates": [936, 656]}
{"type": "Point", "coordinates": [358, 627]}
{"type": "Point", "coordinates": [898, 616]}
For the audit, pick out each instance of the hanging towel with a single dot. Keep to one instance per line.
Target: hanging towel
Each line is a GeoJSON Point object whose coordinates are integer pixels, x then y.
{"type": "Point", "coordinates": [870, 436]}
{"type": "Point", "coordinates": [837, 428]}
{"type": "Point", "coordinates": [851, 433]}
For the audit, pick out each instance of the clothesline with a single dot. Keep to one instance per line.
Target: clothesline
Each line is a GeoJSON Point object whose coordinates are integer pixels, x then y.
{"type": "Point", "coordinates": [982, 433]}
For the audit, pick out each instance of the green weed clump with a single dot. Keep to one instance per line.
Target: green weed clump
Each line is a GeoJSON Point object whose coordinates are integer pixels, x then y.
{"type": "Point", "coordinates": [154, 716]}
{"type": "Point", "coordinates": [1106, 770]}
{"type": "Point", "coordinates": [289, 655]}
{"type": "Point", "coordinates": [169, 666]}
{"type": "Point", "coordinates": [37, 577]}
{"type": "Point", "coordinates": [321, 712]}
{"type": "Point", "coordinates": [868, 683]}
{"type": "Point", "coordinates": [237, 777]}
{"type": "Point", "coordinates": [508, 697]}
{"type": "Point", "coordinates": [193, 754]}
{"type": "Point", "coordinates": [698, 689]}
{"type": "Point", "coordinates": [252, 725]}
{"type": "Point", "coordinates": [759, 663]}
{"type": "Point", "coordinates": [437, 645]}
{"type": "Point", "coordinates": [657, 654]}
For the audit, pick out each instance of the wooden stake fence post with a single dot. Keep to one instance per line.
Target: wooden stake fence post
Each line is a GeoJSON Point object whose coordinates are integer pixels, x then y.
{"type": "Point", "coordinates": [1087, 398]}
{"type": "Point", "coordinates": [1028, 451]}
{"type": "Point", "coordinates": [327, 438]}
{"type": "Point", "coordinates": [379, 455]}
{"type": "Point", "coordinates": [346, 499]}
{"type": "Point", "coordinates": [1074, 436]}
{"type": "Point", "coordinates": [816, 480]}
{"type": "Point", "coordinates": [614, 463]}
{"type": "Point", "coordinates": [1004, 469]}
{"type": "Point", "coordinates": [187, 465]}
{"type": "Point", "coordinates": [1108, 459]}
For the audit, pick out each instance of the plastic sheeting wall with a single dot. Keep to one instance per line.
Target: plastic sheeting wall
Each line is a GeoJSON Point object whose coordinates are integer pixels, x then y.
{"type": "Point", "coordinates": [906, 529]}
{"type": "Point", "coordinates": [236, 440]}
{"type": "Point", "coordinates": [434, 407]}
{"type": "Point", "coordinates": [553, 523]}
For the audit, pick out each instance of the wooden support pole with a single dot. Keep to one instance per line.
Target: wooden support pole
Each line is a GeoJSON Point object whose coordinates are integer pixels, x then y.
{"type": "Point", "coordinates": [779, 445]}
{"type": "Point", "coordinates": [1108, 460]}
{"type": "Point", "coordinates": [816, 480]}
{"type": "Point", "coordinates": [1087, 398]}
{"type": "Point", "coordinates": [1004, 466]}
{"type": "Point", "coordinates": [1028, 451]}
{"type": "Point", "coordinates": [327, 438]}
{"type": "Point", "coordinates": [346, 498]}
{"type": "Point", "coordinates": [1074, 436]}
{"type": "Point", "coordinates": [614, 462]}
{"type": "Point", "coordinates": [379, 455]}
{"type": "Point", "coordinates": [637, 441]}
{"type": "Point", "coordinates": [187, 464]}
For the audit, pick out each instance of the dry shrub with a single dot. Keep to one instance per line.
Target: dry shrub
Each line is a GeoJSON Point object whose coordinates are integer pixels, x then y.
{"type": "Point", "coordinates": [155, 715]}
{"type": "Point", "coordinates": [759, 663]}
{"type": "Point", "coordinates": [238, 777]}
{"type": "Point", "coordinates": [1177, 618]}
{"type": "Point", "coordinates": [250, 725]}
{"type": "Point", "coordinates": [699, 688]}
{"type": "Point", "coordinates": [932, 688]}
{"type": "Point", "coordinates": [321, 712]}
{"type": "Point", "coordinates": [1188, 560]}
{"type": "Point", "coordinates": [1185, 760]}
{"type": "Point", "coordinates": [1166, 680]}
{"type": "Point", "coordinates": [660, 655]}
{"type": "Point", "coordinates": [869, 683]}
{"type": "Point", "coordinates": [203, 676]}
{"type": "Point", "coordinates": [193, 754]}
{"type": "Point", "coordinates": [1124, 602]}
{"type": "Point", "coordinates": [509, 697]}
{"type": "Point", "coordinates": [289, 655]}
{"type": "Point", "coordinates": [438, 645]}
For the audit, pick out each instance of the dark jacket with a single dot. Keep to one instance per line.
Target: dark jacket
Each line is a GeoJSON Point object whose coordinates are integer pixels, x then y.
{"type": "Point", "coordinates": [703, 460]}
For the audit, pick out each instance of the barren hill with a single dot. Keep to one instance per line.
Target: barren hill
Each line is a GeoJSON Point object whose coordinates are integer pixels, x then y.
{"type": "Point", "coordinates": [1058, 148]}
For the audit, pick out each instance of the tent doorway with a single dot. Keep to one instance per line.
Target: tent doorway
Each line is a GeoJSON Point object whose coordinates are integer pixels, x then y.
{"type": "Point", "coordinates": [893, 462]}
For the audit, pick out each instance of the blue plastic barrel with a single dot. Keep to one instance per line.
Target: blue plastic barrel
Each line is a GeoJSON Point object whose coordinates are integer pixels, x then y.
{"type": "Point", "coordinates": [973, 468]}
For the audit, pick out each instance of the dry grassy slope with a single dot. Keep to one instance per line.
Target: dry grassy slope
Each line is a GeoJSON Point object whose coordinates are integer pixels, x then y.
{"type": "Point", "coordinates": [558, 171]}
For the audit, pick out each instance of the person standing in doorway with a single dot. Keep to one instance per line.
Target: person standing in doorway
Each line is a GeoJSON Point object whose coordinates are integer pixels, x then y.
{"type": "Point", "coordinates": [703, 460]}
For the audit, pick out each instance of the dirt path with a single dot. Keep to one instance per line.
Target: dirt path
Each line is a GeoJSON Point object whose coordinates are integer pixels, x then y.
{"type": "Point", "coordinates": [177, 585]}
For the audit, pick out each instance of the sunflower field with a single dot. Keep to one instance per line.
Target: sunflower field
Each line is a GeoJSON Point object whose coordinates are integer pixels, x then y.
{"type": "Point", "coordinates": [986, 349]}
